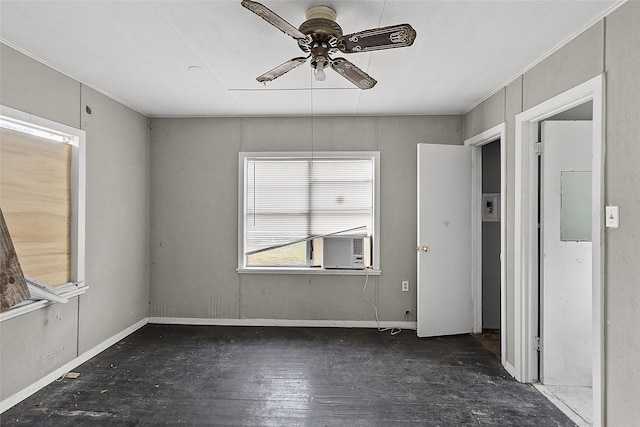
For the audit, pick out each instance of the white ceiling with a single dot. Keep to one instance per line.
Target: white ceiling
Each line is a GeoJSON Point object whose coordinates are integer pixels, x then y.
{"type": "Point", "coordinates": [139, 52]}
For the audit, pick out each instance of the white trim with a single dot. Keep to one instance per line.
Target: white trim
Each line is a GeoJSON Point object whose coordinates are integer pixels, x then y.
{"type": "Point", "coordinates": [526, 244]}
{"type": "Point", "coordinates": [39, 290]}
{"type": "Point", "coordinates": [312, 271]}
{"type": "Point", "coordinates": [377, 232]}
{"type": "Point", "coordinates": [48, 379]}
{"type": "Point", "coordinates": [476, 236]}
{"type": "Point", "coordinates": [282, 322]}
{"type": "Point", "coordinates": [78, 194]}
{"type": "Point", "coordinates": [477, 141]}
{"type": "Point", "coordinates": [29, 306]}
{"type": "Point", "coordinates": [563, 407]}
{"type": "Point", "coordinates": [242, 189]}
{"type": "Point", "coordinates": [77, 138]}
{"type": "Point", "coordinates": [510, 369]}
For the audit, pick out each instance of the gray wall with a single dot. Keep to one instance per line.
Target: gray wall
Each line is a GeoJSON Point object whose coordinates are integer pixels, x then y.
{"type": "Point", "coordinates": [194, 192]}
{"type": "Point", "coordinates": [622, 188]}
{"type": "Point", "coordinates": [611, 46]}
{"type": "Point", "coordinates": [117, 224]}
{"type": "Point", "coordinates": [193, 180]}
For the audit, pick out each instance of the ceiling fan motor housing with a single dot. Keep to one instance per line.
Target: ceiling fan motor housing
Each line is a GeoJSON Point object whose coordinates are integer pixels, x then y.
{"type": "Point", "coordinates": [322, 32]}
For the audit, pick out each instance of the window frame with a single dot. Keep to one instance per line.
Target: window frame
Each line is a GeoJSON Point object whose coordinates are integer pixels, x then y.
{"type": "Point", "coordinates": [243, 157]}
{"type": "Point", "coordinates": [76, 138]}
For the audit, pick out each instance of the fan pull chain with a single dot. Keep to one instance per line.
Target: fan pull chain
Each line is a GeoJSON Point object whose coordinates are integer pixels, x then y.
{"type": "Point", "coordinates": [312, 116]}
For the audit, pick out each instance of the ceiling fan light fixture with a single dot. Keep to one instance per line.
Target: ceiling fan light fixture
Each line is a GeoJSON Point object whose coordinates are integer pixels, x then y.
{"type": "Point", "coordinates": [320, 74]}
{"type": "Point", "coordinates": [318, 64]}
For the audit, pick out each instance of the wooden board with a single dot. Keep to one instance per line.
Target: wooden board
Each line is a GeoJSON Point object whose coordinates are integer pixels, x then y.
{"type": "Point", "coordinates": [13, 288]}
{"type": "Point", "coordinates": [35, 184]}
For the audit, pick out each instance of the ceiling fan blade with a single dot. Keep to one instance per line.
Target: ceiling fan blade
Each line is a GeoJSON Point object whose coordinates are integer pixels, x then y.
{"type": "Point", "coordinates": [272, 18]}
{"type": "Point", "coordinates": [378, 38]}
{"type": "Point", "coordinates": [352, 73]}
{"type": "Point", "coordinates": [281, 69]}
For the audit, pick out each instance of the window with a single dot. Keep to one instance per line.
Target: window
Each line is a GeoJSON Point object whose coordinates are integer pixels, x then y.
{"type": "Point", "coordinates": [290, 204]}
{"type": "Point", "coordinates": [42, 198]}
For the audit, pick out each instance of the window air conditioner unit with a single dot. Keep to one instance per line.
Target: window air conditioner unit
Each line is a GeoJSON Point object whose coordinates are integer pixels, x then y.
{"type": "Point", "coordinates": [346, 252]}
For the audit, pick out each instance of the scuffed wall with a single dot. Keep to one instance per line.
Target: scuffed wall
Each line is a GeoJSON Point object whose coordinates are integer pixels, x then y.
{"type": "Point", "coordinates": [194, 217]}
{"type": "Point", "coordinates": [612, 47]}
{"type": "Point", "coordinates": [117, 224]}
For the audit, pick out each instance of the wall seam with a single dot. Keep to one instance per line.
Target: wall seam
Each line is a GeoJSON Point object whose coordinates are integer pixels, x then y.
{"type": "Point", "coordinates": [504, 108]}
{"type": "Point", "coordinates": [603, 362]}
{"type": "Point", "coordinates": [332, 118]}
{"type": "Point", "coordinates": [522, 95]}
{"type": "Point", "coordinates": [464, 125]}
{"type": "Point", "coordinates": [149, 207]}
{"type": "Point", "coordinates": [80, 105]}
{"type": "Point", "coordinates": [604, 45]}
{"type": "Point", "coordinates": [239, 300]}
{"type": "Point", "coordinates": [377, 133]}
{"type": "Point", "coordinates": [241, 123]}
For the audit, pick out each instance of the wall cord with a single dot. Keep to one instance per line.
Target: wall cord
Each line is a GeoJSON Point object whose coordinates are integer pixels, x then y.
{"type": "Point", "coordinates": [394, 331]}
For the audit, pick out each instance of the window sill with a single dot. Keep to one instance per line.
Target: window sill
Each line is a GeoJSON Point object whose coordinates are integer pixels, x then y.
{"type": "Point", "coordinates": [67, 291]}
{"type": "Point", "coordinates": [311, 271]}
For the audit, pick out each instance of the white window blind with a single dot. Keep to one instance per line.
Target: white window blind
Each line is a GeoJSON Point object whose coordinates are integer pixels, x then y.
{"type": "Point", "coordinates": [289, 199]}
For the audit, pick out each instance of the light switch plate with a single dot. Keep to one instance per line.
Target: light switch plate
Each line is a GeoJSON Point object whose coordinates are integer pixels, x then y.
{"type": "Point", "coordinates": [612, 216]}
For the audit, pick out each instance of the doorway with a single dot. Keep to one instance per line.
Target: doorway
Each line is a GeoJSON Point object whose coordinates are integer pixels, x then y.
{"type": "Point", "coordinates": [528, 268]}
{"type": "Point", "coordinates": [488, 218]}
{"type": "Point", "coordinates": [565, 366]}
{"type": "Point", "coordinates": [491, 218]}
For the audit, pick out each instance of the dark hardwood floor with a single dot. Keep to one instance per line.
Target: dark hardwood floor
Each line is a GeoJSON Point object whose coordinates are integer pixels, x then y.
{"type": "Point", "coordinates": [253, 376]}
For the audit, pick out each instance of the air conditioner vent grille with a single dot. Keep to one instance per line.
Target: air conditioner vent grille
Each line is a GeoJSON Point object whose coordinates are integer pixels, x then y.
{"type": "Point", "coordinates": [357, 247]}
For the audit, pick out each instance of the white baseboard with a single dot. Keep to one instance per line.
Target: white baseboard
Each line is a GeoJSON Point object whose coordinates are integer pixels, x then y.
{"type": "Point", "coordinates": [48, 379]}
{"type": "Point", "coordinates": [563, 407]}
{"type": "Point", "coordinates": [510, 368]}
{"type": "Point", "coordinates": [281, 322]}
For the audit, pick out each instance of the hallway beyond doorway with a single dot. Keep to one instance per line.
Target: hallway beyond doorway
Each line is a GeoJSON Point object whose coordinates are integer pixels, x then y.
{"type": "Point", "coordinates": [490, 339]}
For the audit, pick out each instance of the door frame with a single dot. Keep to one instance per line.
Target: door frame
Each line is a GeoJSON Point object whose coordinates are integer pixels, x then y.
{"type": "Point", "coordinates": [476, 142]}
{"type": "Point", "coordinates": [526, 268]}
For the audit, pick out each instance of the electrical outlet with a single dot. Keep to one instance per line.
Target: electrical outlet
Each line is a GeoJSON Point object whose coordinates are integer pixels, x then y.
{"type": "Point", "coordinates": [405, 286]}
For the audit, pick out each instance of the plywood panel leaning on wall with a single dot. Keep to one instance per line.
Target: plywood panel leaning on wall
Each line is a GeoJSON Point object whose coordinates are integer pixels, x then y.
{"type": "Point", "coordinates": [13, 288]}
{"type": "Point", "coordinates": [35, 183]}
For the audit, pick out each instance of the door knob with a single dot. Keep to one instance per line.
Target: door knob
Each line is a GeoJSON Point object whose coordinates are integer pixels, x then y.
{"type": "Point", "coordinates": [424, 248]}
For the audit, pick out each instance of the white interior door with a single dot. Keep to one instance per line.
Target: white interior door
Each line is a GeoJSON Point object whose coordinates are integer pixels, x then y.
{"type": "Point", "coordinates": [444, 240]}
{"type": "Point", "coordinates": [566, 254]}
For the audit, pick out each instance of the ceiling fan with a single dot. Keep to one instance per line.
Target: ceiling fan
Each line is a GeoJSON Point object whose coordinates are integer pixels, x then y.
{"type": "Point", "coordinates": [320, 36]}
